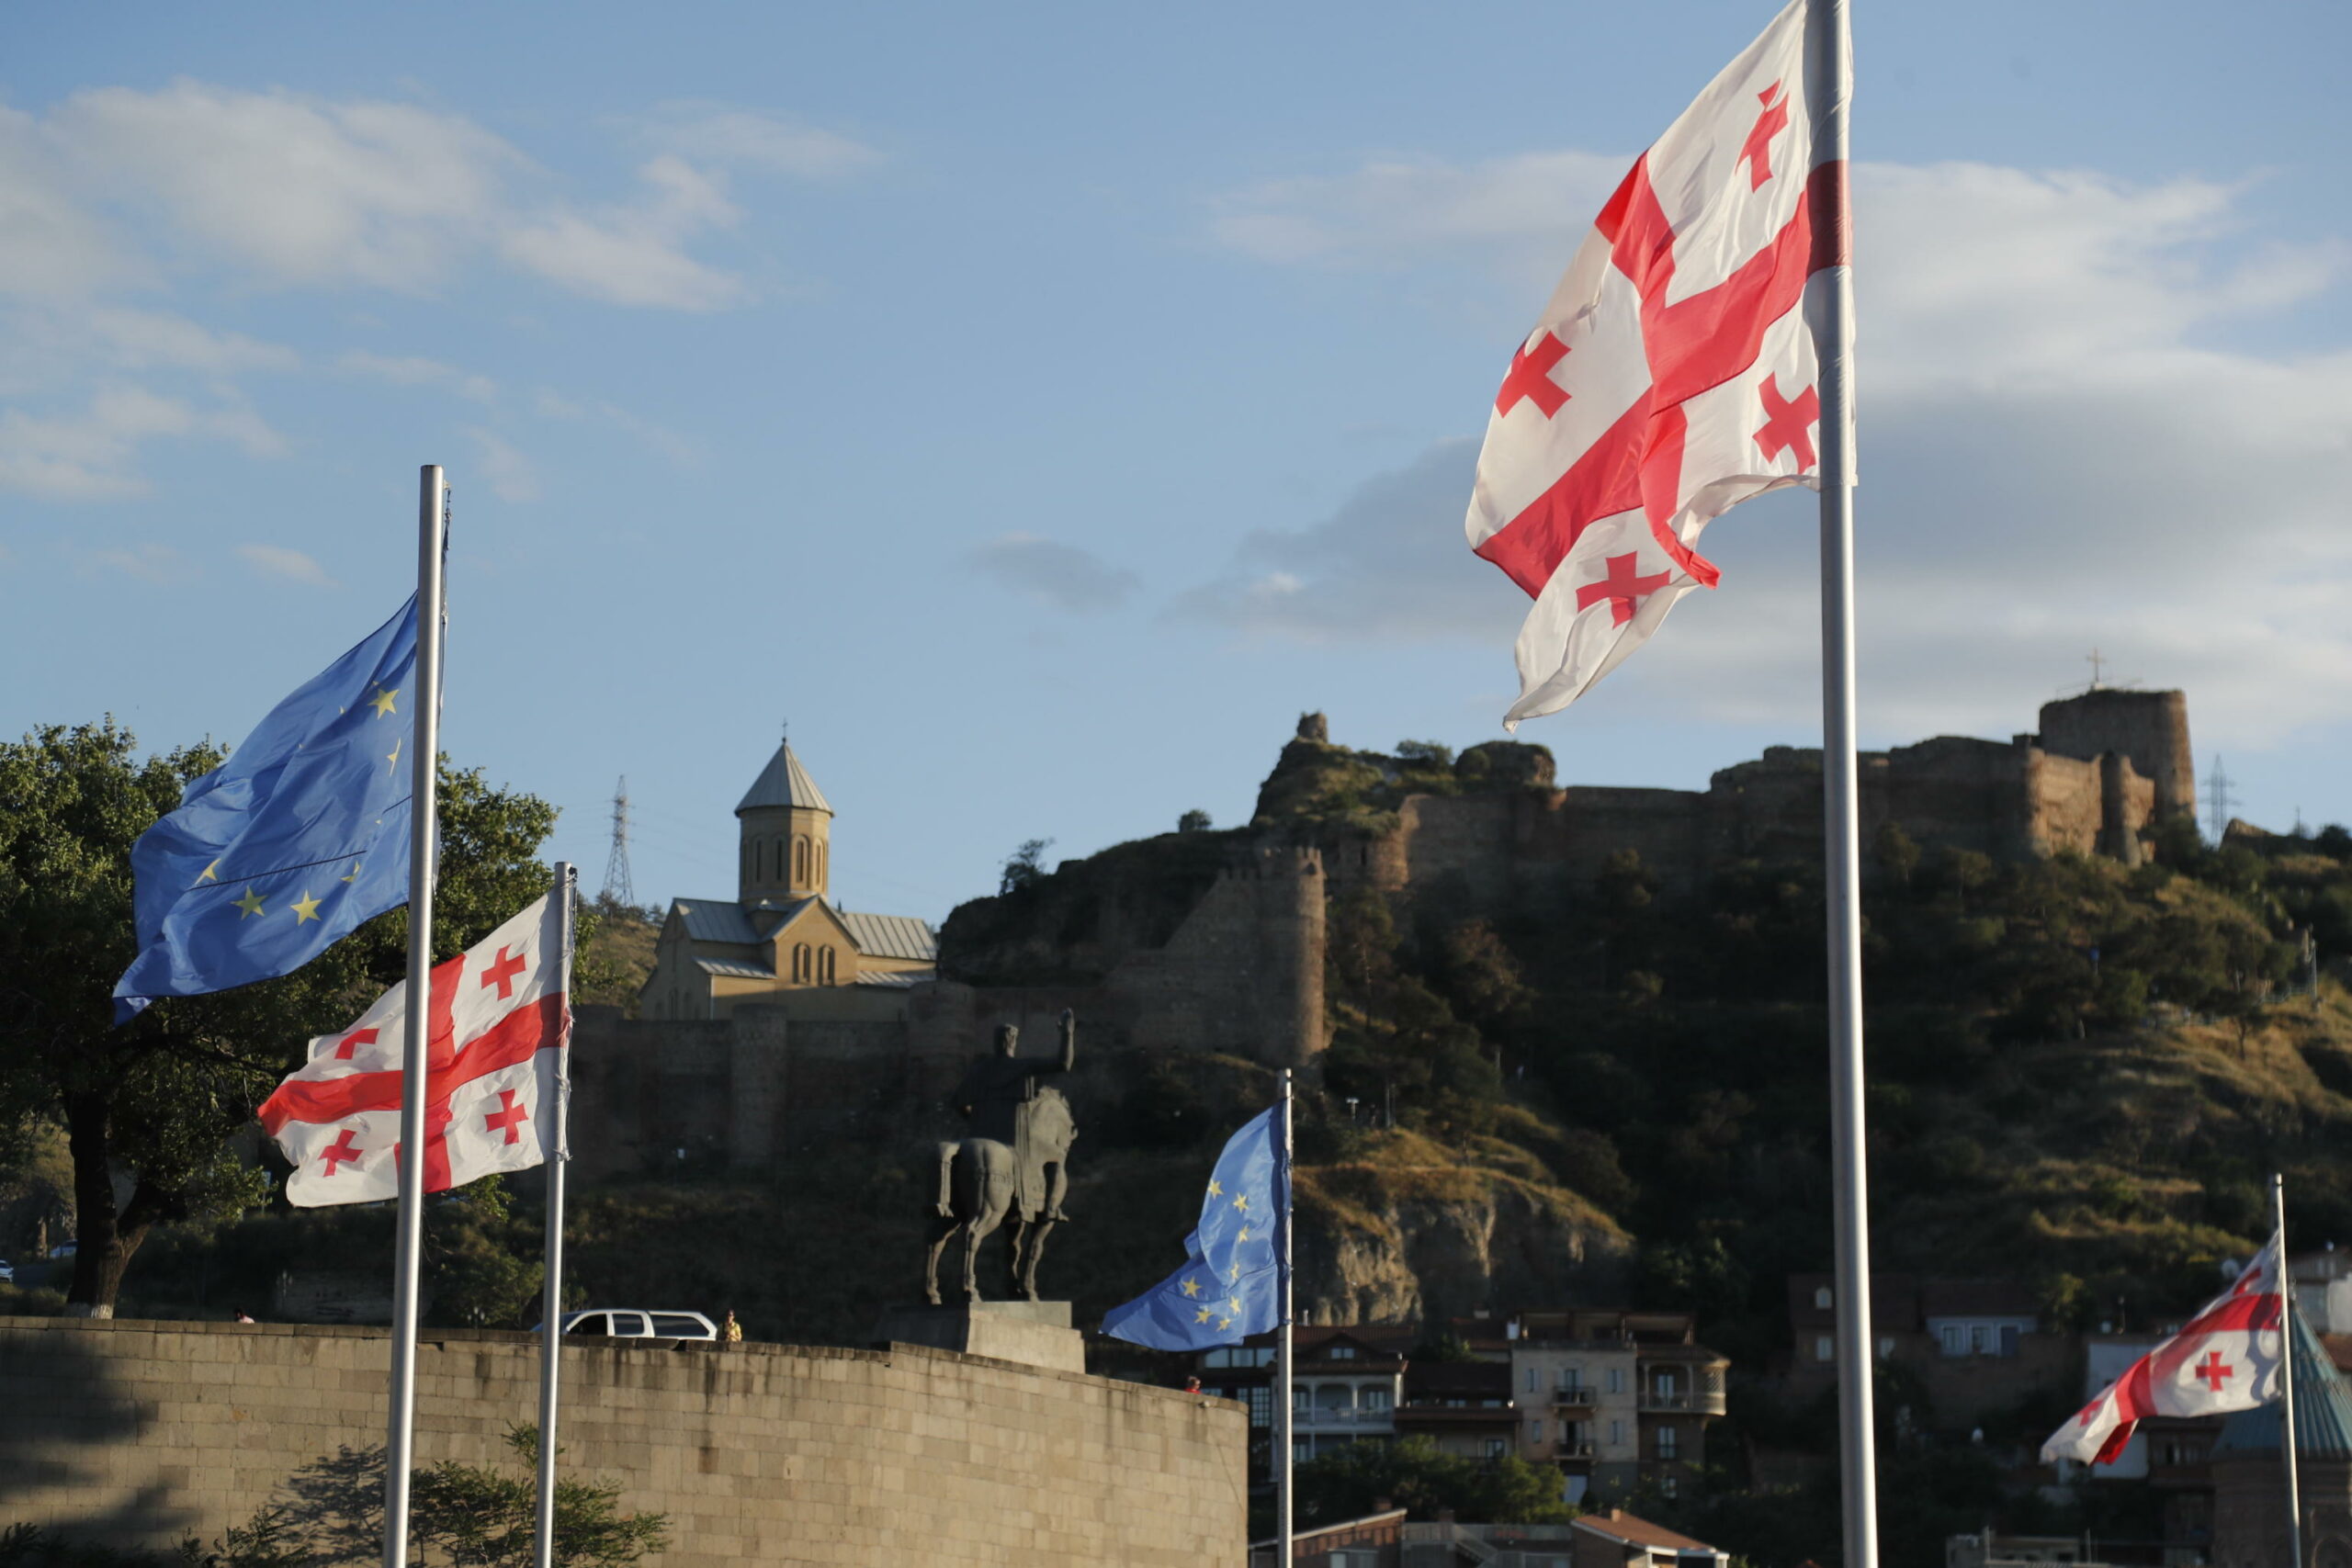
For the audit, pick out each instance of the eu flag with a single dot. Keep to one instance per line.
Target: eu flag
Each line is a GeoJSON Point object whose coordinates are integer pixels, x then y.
{"type": "Point", "coordinates": [1230, 1287]}
{"type": "Point", "coordinates": [291, 843]}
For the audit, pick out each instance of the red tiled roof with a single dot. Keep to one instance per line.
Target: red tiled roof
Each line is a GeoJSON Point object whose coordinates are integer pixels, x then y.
{"type": "Point", "coordinates": [1619, 1525]}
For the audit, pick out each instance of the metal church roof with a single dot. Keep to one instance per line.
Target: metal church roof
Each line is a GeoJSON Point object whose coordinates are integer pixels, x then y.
{"type": "Point", "coordinates": [892, 936]}
{"type": "Point", "coordinates": [717, 919]}
{"type": "Point", "coordinates": [2323, 1411]}
{"type": "Point", "coordinates": [783, 782]}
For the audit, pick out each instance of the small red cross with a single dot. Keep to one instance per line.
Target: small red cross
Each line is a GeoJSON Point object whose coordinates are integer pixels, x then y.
{"type": "Point", "coordinates": [352, 1041]}
{"type": "Point", "coordinates": [504, 1120]}
{"type": "Point", "coordinates": [1621, 588]}
{"type": "Point", "coordinates": [2210, 1370]}
{"type": "Point", "coordinates": [1757, 151]}
{"type": "Point", "coordinates": [1531, 377]}
{"type": "Point", "coordinates": [342, 1149]}
{"type": "Point", "coordinates": [1786, 421]}
{"type": "Point", "coordinates": [501, 973]}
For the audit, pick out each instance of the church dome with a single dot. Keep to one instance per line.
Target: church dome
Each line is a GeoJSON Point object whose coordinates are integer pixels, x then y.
{"type": "Point", "coordinates": [2323, 1411]}
{"type": "Point", "coordinates": [784, 783]}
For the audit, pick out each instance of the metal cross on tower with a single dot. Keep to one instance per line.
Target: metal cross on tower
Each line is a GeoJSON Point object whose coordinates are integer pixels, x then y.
{"type": "Point", "coordinates": [618, 886]}
{"type": "Point", "coordinates": [2098, 664]}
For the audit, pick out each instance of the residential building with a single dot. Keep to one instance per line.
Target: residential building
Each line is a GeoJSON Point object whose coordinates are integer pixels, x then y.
{"type": "Point", "coordinates": [1465, 1407]}
{"type": "Point", "coordinates": [1615, 1539]}
{"type": "Point", "coordinates": [1346, 1384]}
{"type": "Point", "coordinates": [1373, 1542]}
{"type": "Point", "coordinates": [1977, 1345]}
{"type": "Point", "coordinates": [1613, 1399]}
{"type": "Point", "coordinates": [2250, 1484]}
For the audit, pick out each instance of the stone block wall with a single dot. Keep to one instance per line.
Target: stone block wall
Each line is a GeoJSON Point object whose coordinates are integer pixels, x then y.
{"type": "Point", "coordinates": [137, 1433]}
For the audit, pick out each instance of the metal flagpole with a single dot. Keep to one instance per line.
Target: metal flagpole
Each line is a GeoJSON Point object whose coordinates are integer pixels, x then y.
{"type": "Point", "coordinates": [2287, 1377]}
{"type": "Point", "coordinates": [1281, 1356]}
{"type": "Point", "coordinates": [432, 493]}
{"type": "Point", "coordinates": [1828, 73]}
{"type": "Point", "coordinates": [551, 1308]}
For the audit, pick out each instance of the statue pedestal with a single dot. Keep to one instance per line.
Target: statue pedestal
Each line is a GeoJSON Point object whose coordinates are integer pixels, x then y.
{"type": "Point", "coordinates": [1036, 1334]}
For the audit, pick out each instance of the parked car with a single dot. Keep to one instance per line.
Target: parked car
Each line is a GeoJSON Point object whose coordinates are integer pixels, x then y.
{"type": "Point", "coordinates": [7, 1272]}
{"type": "Point", "coordinates": [64, 1251]}
{"type": "Point", "coordinates": [625, 1322]}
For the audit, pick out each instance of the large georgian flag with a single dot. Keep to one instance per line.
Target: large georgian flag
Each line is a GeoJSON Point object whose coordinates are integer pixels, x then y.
{"type": "Point", "coordinates": [498, 1025]}
{"type": "Point", "coordinates": [1672, 375]}
{"type": "Point", "coordinates": [2226, 1358]}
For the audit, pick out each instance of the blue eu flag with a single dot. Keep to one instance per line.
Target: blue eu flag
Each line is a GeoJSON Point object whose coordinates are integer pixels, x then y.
{"type": "Point", "coordinates": [1230, 1287]}
{"type": "Point", "coordinates": [291, 844]}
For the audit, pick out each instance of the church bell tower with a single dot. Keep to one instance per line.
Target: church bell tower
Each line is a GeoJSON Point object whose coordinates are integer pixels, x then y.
{"type": "Point", "coordinates": [786, 832]}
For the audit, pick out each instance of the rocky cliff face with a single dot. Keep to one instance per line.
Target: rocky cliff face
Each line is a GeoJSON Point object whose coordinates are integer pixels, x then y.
{"type": "Point", "coordinates": [1421, 1243]}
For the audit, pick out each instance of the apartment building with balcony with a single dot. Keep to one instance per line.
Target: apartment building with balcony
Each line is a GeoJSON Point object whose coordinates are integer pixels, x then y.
{"type": "Point", "coordinates": [1977, 1345]}
{"type": "Point", "coordinates": [1465, 1407]}
{"type": "Point", "coordinates": [1346, 1384]}
{"type": "Point", "coordinates": [1611, 1399]}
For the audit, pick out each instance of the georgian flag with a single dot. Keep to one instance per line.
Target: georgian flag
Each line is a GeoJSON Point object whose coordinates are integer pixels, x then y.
{"type": "Point", "coordinates": [1672, 375]}
{"type": "Point", "coordinates": [2226, 1358]}
{"type": "Point", "coordinates": [499, 1026]}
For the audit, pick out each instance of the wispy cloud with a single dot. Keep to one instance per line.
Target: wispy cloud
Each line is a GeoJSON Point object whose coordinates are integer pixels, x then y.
{"type": "Point", "coordinates": [275, 560]}
{"type": "Point", "coordinates": [146, 562]}
{"type": "Point", "coordinates": [716, 134]}
{"type": "Point", "coordinates": [1064, 576]}
{"type": "Point", "coordinates": [633, 254]}
{"type": "Point", "coordinates": [511, 475]}
{"type": "Point", "coordinates": [414, 371]}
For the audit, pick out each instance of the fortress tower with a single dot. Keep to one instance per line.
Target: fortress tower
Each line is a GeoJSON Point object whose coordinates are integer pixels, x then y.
{"type": "Point", "coordinates": [2149, 728]}
{"type": "Point", "coordinates": [786, 830]}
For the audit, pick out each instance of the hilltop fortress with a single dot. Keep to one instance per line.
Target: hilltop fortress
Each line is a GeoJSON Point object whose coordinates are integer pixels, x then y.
{"type": "Point", "coordinates": [776, 1014]}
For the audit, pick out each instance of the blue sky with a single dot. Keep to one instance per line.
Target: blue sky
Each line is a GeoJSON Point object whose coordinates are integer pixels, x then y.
{"type": "Point", "coordinates": [1040, 407]}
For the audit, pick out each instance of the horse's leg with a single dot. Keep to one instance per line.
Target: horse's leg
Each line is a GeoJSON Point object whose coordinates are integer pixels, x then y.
{"type": "Point", "coordinates": [972, 1238]}
{"type": "Point", "coordinates": [1016, 1247]}
{"type": "Point", "coordinates": [1037, 1236]}
{"type": "Point", "coordinates": [940, 1233]}
{"type": "Point", "coordinates": [946, 1208]}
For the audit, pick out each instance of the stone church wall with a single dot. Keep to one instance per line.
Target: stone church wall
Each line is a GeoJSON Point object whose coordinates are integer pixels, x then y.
{"type": "Point", "coordinates": [135, 1434]}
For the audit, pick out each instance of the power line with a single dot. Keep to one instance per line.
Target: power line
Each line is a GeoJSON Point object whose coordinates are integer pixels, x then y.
{"type": "Point", "coordinates": [618, 888]}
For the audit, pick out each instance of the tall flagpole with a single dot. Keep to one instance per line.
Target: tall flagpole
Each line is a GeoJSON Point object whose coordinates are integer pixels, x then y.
{"type": "Point", "coordinates": [399, 1456]}
{"type": "Point", "coordinates": [1828, 76]}
{"type": "Point", "coordinates": [1281, 1356]}
{"type": "Point", "coordinates": [2287, 1377]}
{"type": "Point", "coordinates": [551, 1308]}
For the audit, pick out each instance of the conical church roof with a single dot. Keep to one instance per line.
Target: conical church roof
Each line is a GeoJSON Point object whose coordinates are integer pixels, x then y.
{"type": "Point", "coordinates": [783, 782]}
{"type": "Point", "coordinates": [2323, 1411]}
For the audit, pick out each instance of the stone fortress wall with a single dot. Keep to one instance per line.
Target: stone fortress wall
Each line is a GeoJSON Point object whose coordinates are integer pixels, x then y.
{"type": "Point", "coordinates": [139, 1433]}
{"type": "Point", "coordinates": [1241, 971]}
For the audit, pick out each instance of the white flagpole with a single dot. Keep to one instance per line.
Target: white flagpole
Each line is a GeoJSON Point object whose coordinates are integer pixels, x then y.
{"type": "Point", "coordinates": [1282, 1548]}
{"type": "Point", "coordinates": [1828, 73]}
{"type": "Point", "coordinates": [425, 749]}
{"type": "Point", "coordinates": [2287, 1376]}
{"type": "Point", "coordinates": [551, 1308]}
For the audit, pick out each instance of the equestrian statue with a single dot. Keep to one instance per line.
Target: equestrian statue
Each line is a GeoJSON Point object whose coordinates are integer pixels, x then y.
{"type": "Point", "coordinates": [1012, 1164]}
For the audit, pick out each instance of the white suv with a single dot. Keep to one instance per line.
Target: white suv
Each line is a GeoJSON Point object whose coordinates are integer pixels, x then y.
{"type": "Point", "coordinates": [621, 1323]}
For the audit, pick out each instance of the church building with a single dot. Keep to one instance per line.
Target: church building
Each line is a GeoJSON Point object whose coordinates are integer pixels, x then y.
{"type": "Point", "coordinates": [781, 941]}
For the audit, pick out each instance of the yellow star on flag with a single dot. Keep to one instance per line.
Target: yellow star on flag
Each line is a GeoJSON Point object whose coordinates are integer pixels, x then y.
{"type": "Point", "coordinates": [353, 874]}
{"type": "Point", "coordinates": [209, 873]}
{"type": "Point", "coordinates": [1216, 1190]}
{"type": "Point", "coordinates": [1235, 1304]}
{"type": "Point", "coordinates": [1243, 1202]}
{"type": "Point", "coordinates": [305, 908]}
{"type": "Point", "coordinates": [393, 757]}
{"type": "Point", "coordinates": [383, 700]}
{"type": "Point", "coordinates": [1244, 1235]}
{"type": "Point", "coordinates": [1192, 1287]}
{"type": "Point", "coordinates": [1224, 1322]}
{"type": "Point", "coordinates": [1201, 1315]}
{"type": "Point", "coordinates": [250, 903]}
{"type": "Point", "coordinates": [1236, 1273]}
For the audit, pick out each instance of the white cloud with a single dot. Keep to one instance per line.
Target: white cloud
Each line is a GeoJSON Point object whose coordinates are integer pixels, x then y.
{"type": "Point", "coordinates": [633, 254]}
{"type": "Point", "coordinates": [2060, 447]}
{"type": "Point", "coordinates": [147, 563]}
{"type": "Point", "coordinates": [719, 135]}
{"type": "Point", "coordinates": [49, 245]}
{"type": "Point", "coordinates": [275, 560]}
{"type": "Point", "coordinates": [1064, 576]}
{"type": "Point", "coordinates": [146, 339]}
{"type": "Point", "coordinates": [92, 455]}
{"type": "Point", "coordinates": [414, 371]}
{"type": "Point", "coordinates": [511, 475]}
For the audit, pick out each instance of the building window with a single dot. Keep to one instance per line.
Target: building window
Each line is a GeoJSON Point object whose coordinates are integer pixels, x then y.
{"type": "Point", "coordinates": [1571, 1379]}
{"type": "Point", "coordinates": [1616, 1379]}
{"type": "Point", "coordinates": [1298, 1400]}
{"type": "Point", "coordinates": [1665, 1383]}
{"type": "Point", "coordinates": [1535, 1428]}
{"type": "Point", "coordinates": [1981, 1340]}
{"type": "Point", "coordinates": [1339, 1353]}
{"type": "Point", "coordinates": [800, 862]}
{"type": "Point", "coordinates": [1302, 1450]}
{"type": "Point", "coordinates": [1669, 1486]}
{"type": "Point", "coordinates": [1823, 1348]}
{"type": "Point", "coordinates": [1822, 1298]}
{"type": "Point", "coordinates": [1493, 1447]}
{"type": "Point", "coordinates": [1669, 1443]}
{"type": "Point", "coordinates": [1376, 1399]}
{"type": "Point", "coordinates": [1531, 1379]}
{"type": "Point", "coordinates": [825, 966]}
{"type": "Point", "coordinates": [1262, 1405]}
{"type": "Point", "coordinates": [1616, 1434]}
{"type": "Point", "coordinates": [800, 963]}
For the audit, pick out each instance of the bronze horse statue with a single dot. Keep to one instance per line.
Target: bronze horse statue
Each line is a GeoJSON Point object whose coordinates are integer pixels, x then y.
{"type": "Point", "coordinates": [1014, 1167]}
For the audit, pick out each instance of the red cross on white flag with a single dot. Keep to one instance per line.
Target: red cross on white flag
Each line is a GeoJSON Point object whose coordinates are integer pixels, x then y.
{"type": "Point", "coordinates": [1672, 375]}
{"type": "Point", "coordinates": [2226, 1358]}
{"type": "Point", "coordinates": [499, 1023]}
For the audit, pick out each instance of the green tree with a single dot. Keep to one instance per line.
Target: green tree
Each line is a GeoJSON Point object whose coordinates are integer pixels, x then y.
{"type": "Point", "coordinates": [151, 1107]}
{"type": "Point", "coordinates": [1025, 867]}
{"type": "Point", "coordinates": [482, 1518]}
{"type": "Point", "coordinates": [1415, 1475]}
